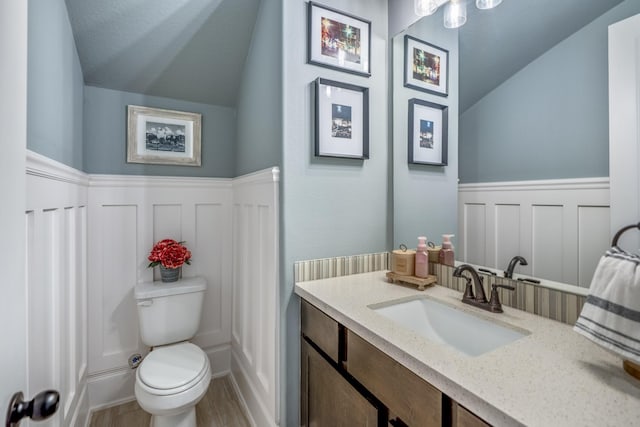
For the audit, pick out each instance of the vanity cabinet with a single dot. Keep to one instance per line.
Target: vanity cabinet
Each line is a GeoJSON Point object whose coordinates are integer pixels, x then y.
{"type": "Point", "coordinates": [398, 388]}
{"type": "Point", "coordinates": [346, 381]}
{"type": "Point", "coordinates": [327, 398]}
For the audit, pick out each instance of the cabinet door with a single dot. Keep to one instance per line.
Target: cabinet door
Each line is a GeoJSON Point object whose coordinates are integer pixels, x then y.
{"type": "Point", "coordinates": [417, 403]}
{"type": "Point", "coordinates": [327, 399]}
{"type": "Point", "coordinates": [464, 418]}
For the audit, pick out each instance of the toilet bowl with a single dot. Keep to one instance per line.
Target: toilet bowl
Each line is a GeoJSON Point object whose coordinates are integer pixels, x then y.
{"type": "Point", "coordinates": [170, 381]}
{"type": "Point", "coordinates": [176, 374]}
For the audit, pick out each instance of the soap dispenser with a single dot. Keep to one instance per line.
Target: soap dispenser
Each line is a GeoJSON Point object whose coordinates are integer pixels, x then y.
{"type": "Point", "coordinates": [422, 258]}
{"type": "Point", "coordinates": [447, 256]}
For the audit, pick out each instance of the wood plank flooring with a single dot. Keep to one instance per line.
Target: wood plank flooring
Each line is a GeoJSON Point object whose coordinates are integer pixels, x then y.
{"type": "Point", "coordinates": [220, 407]}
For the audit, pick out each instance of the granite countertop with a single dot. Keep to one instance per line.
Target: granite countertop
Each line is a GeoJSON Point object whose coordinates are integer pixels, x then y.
{"type": "Point", "coordinates": [551, 377]}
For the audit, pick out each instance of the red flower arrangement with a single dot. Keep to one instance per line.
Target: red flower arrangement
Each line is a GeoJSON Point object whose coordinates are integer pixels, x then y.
{"type": "Point", "coordinates": [169, 254]}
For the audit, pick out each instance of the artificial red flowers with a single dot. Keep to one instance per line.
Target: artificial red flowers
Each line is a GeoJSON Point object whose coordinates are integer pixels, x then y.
{"type": "Point", "coordinates": [170, 254]}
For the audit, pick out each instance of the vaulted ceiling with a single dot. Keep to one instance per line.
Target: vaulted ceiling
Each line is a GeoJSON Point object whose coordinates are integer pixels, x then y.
{"type": "Point", "coordinates": [192, 50]}
{"type": "Point", "coordinates": [495, 44]}
{"type": "Point", "coordinates": [195, 50]}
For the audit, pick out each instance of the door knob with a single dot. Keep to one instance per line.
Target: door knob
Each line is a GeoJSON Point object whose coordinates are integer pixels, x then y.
{"type": "Point", "coordinates": [40, 408]}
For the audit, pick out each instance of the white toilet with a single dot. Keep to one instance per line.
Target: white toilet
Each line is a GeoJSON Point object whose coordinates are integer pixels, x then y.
{"type": "Point", "coordinates": [175, 375]}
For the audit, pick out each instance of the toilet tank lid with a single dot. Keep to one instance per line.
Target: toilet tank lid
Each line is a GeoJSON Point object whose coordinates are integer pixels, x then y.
{"type": "Point", "coordinates": [157, 289]}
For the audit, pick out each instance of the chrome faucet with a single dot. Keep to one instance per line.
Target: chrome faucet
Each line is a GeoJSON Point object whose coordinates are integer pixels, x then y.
{"type": "Point", "coordinates": [512, 265]}
{"type": "Point", "coordinates": [480, 298]}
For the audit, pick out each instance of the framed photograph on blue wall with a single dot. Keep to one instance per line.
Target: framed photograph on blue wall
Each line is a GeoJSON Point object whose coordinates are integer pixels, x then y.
{"type": "Point", "coordinates": [164, 137]}
{"type": "Point", "coordinates": [426, 67]}
{"type": "Point", "coordinates": [341, 120]}
{"type": "Point", "coordinates": [428, 133]}
{"type": "Point", "coordinates": [338, 40]}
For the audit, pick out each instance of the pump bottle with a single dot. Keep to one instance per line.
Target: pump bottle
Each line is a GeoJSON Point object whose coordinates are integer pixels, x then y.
{"type": "Point", "coordinates": [447, 256]}
{"type": "Point", "coordinates": [422, 258]}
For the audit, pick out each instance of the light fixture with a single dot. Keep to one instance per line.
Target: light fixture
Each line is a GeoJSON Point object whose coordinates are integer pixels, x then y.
{"type": "Point", "coordinates": [455, 11]}
{"type": "Point", "coordinates": [455, 14]}
{"type": "Point", "coordinates": [487, 4]}
{"type": "Point", "coordinates": [425, 7]}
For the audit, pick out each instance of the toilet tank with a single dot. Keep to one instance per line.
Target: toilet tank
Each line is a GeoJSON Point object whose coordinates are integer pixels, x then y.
{"type": "Point", "coordinates": [169, 312]}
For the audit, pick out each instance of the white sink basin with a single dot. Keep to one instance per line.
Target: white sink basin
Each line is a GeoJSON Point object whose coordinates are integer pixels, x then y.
{"type": "Point", "coordinates": [444, 324]}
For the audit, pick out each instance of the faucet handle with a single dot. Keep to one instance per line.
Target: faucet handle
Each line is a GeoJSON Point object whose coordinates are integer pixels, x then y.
{"type": "Point", "coordinates": [494, 302]}
{"type": "Point", "coordinates": [468, 289]}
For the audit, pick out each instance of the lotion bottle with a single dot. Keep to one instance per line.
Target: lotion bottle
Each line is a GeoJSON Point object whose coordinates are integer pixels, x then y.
{"type": "Point", "coordinates": [422, 258]}
{"type": "Point", "coordinates": [447, 256]}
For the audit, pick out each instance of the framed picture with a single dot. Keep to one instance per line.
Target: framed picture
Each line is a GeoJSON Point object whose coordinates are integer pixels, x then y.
{"type": "Point", "coordinates": [426, 67]}
{"type": "Point", "coordinates": [338, 40]}
{"type": "Point", "coordinates": [428, 133]}
{"type": "Point", "coordinates": [163, 137]}
{"type": "Point", "coordinates": [341, 120]}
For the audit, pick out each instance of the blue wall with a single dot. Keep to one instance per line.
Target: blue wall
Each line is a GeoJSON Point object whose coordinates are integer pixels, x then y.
{"type": "Point", "coordinates": [105, 135]}
{"type": "Point", "coordinates": [425, 198]}
{"type": "Point", "coordinates": [551, 119]}
{"type": "Point", "coordinates": [54, 85]}
{"type": "Point", "coordinates": [259, 125]}
{"type": "Point", "coordinates": [331, 207]}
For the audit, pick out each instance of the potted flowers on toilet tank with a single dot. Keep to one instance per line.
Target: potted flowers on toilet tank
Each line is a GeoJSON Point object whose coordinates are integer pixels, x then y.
{"type": "Point", "coordinates": [170, 255]}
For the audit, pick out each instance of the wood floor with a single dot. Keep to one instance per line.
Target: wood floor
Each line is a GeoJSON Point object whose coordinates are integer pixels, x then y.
{"type": "Point", "coordinates": [220, 407]}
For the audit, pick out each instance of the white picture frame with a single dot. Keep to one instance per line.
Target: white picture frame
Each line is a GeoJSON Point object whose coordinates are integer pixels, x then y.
{"type": "Point", "coordinates": [163, 137]}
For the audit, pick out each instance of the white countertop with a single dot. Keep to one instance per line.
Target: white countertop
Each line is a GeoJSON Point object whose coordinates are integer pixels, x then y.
{"type": "Point", "coordinates": [551, 377]}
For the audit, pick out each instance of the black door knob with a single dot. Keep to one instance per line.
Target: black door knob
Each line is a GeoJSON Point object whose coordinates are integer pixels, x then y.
{"type": "Point", "coordinates": [40, 408]}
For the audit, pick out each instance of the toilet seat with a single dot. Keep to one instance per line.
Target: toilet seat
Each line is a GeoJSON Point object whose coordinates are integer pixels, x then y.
{"type": "Point", "coordinates": [172, 369]}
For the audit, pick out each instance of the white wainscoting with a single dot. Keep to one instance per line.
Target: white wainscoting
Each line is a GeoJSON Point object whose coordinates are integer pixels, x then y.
{"type": "Point", "coordinates": [127, 214]}
{"type": "Point", "coordinates": [255, 322]}
{"type": "Point", "coordinates": [56, 286]}
{"type": "Point", "coordinates": [88, 237]}
{"type": "Point", "coordinates": [561, 227]}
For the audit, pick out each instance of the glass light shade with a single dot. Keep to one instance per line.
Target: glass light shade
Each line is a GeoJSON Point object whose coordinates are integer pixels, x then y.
{"type": "Point", "coordinates": [487, 4]}
{"type": "Point", "coordinates": [455, 14]}
{"type": "Point", "coordinates": [425, 7]}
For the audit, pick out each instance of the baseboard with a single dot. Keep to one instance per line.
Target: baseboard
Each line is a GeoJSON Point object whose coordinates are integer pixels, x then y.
{"type": "Point", "coordinates": [256, 411]}
{"type": "Point", "coordinates": [111, 388]}
{"type": "Point", "coordinates": [116, 387]}
{"type": "Point", "coordinates": [80, 416]}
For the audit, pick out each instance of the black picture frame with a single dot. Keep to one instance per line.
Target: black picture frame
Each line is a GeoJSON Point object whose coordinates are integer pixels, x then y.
{"type": "Point", "coordinates": [341, 120]}
{"type": "Point", "coordinates": [428, 133]}
{"type": "Point", "coordinates": [327, 51]}
{"type": "Point", "coordinates": [426, 67]}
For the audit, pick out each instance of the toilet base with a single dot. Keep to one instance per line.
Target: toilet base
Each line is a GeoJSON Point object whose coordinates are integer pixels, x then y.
{"type": "Point", "coordinates": [183, 419]}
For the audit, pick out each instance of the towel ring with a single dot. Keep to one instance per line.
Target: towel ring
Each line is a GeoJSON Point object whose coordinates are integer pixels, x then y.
{"type": "Point", "coordinates": [621, 231]}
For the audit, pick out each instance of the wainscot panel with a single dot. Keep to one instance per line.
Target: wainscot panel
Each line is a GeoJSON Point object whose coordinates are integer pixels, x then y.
{"type": "Point", "coordinates": [255, 326]}
{"type": "Point", "coordinates": [127, 215]}
{"type": "Point", "coordinates": [560, 226]}
{"type": "Point", "coordinates": [56, 285]}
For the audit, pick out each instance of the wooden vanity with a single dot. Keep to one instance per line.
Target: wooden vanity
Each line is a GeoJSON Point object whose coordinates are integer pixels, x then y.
{"type": "Point", "coordinates": [346, 381]}
{"type": "Point", "coordinates": [359, 367]}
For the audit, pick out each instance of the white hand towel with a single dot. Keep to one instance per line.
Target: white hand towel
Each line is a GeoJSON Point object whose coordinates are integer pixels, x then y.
{"type": "Point", "coordinates": [611, 315]}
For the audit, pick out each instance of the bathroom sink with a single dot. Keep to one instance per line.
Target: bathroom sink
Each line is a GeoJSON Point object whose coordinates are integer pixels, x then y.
{"type": "Point", "coordinates": [444, 324]}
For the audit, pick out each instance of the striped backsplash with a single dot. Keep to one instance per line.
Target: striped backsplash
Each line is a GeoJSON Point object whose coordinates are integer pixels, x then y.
{"type": "Point", "coordinates": [326, 268]}
{"type": "Point", "coordinates": [553, 304]}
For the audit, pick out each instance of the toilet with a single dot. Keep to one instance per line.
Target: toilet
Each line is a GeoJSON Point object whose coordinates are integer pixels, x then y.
{"type": "Point", "coordinates": [175, 375]}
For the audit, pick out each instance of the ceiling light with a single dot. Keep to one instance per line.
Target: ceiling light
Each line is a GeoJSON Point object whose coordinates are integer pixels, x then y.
{"type": "Point", "coordinates": [455, 11]}
{"type": "Point", "coordinates": [455, 14]}
{"type": "Point", "coordinates": [487, 4]}
{"type": "Point", "coordinates": [425, 7]}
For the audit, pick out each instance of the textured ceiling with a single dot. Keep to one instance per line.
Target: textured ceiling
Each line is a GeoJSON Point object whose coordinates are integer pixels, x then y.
{"type": "Point", "coordinates": [495, 44]}
{"type": "Point", "coordinates": [192, 50]}
{"type": "Point", "coordinates": [195, 49]}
